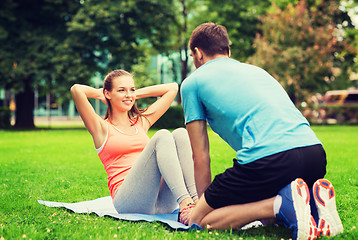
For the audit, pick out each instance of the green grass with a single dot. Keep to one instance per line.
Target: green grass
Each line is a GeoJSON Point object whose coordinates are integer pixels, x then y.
{"type": "Point", "coordinates": [62, 165]}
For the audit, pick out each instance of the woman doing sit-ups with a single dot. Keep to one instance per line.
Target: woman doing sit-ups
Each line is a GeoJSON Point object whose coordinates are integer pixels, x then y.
{"type": "Point", "coordinates": [149, 176]}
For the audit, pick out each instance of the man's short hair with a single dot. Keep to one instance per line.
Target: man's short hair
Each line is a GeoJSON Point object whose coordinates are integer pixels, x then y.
{"type": "Point", "coordinates": [211, 38]}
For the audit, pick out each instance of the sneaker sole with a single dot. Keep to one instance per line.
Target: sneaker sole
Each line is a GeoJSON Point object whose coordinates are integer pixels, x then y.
{"type": "Point", "coordinates": [329, 223]}
{"type": "Point", "coordinates": [306, 225]}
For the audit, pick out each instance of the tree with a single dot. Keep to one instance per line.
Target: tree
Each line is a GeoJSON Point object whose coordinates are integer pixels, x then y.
{"type": "Point", "coordinates": [345, 57]}
{"type": "Point", "coordinates": [299, 45]}
{"type": "Point", "coordinates": [52, 44]}
{"type": "Point", "coordinates": [119, 30]}
{"type": "Point", "coordinates": [187, 15]}
{"type": "Point", "coordinates": [349, 56]}
{"type": "Point", "coordinates": [30, 35]}
{"type": "Point", "coordinates": [241, 18]}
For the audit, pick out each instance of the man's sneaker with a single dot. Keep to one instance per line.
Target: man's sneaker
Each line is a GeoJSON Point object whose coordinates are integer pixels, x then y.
{"type": "Point", "coordinates": [295, 212]}
{"type": "Point", "coordinates": [329, 223]}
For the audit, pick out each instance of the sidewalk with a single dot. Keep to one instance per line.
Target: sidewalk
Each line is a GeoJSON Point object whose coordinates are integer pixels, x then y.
{"type": "Point", "coordinates": [58, 121]}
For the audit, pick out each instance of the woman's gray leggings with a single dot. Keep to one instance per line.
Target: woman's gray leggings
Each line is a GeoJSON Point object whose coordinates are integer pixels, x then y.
{"type": "Point", "coordinates": [167, 155]}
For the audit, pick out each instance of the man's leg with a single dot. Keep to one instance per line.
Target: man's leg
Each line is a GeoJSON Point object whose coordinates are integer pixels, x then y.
{"type": "Point", "coordinates": [233, 216]}
{"type": "Point", "coordinates": [291, 208]}
{"type": "Point", "coordinates": [295, 211]}
{"type": "Point", "coordinates": [328, 221]}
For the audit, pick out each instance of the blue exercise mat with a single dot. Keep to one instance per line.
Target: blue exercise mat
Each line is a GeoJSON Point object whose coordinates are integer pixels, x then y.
{"type": "Point", "coordinates": [104, 207]}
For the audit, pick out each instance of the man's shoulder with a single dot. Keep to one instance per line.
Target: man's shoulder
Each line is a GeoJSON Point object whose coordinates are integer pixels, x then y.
{"type": "Point", "coordinates": [188, 83]}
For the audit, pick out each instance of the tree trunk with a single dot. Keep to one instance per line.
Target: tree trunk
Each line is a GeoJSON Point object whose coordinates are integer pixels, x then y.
{"type": "Point", "coordinates": [184, 68]}
{"type": "Point", "coordinates": [25, 107]}
{"type": "Point", "coordinates": [183, 59]}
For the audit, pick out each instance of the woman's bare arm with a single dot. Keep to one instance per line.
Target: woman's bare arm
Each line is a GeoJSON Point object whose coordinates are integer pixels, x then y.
{"type": "Point", "coordinates": [166, 94]}
{"type": "Point", "coordinates": [93, 122]}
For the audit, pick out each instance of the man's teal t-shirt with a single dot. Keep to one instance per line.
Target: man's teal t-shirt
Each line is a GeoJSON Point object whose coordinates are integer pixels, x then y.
{"type": "Point", "coordinates": [246, 107]}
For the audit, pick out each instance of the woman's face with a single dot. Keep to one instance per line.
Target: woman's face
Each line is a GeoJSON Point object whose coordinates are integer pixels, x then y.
{"type": "Point", "coordinates": [123, 95]}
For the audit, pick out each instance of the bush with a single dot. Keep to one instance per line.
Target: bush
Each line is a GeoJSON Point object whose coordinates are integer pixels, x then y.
{"type": "Point", "coordinates": [173, 118]}
{"type": "Point", "coordinates": [5, 117]}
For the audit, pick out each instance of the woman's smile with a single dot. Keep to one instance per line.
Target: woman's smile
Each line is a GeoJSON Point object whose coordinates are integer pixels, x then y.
{"type": "Point", "coordinates": [128, 102]}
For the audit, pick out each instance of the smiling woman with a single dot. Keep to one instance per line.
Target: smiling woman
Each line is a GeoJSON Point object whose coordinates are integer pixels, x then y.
{"type": "Point", "coordinates": [119, 90]}
{"type": "Point", "coordinates": [144, 175]}
{"type": "Point", "coordinates": [124, 91]}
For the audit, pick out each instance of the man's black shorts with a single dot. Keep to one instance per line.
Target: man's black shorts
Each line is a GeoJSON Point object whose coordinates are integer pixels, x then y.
{"type": "Point", "coordinates": [264, 178]}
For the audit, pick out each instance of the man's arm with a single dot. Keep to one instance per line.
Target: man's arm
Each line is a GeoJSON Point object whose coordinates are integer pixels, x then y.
{"type": "Point", "coordinates": [200, 145]}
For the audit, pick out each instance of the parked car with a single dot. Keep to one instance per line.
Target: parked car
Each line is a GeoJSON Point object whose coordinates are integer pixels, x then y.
{"type": "Point", "coordinates": [340, 106]}
{"type": "Point", "coordinates": [341, 97]}
{"type": "Point", "coordinates": [336, 106]}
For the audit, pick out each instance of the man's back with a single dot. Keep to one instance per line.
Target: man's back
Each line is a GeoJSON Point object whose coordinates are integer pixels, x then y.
{"type": "Point", "coordinates": [247, 107]}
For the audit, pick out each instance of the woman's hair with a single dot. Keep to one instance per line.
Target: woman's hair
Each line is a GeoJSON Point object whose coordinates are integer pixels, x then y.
{"type": "Point", "coordinates": [211, 38]}
{"type": "Point", "coordinates": [135, 112]}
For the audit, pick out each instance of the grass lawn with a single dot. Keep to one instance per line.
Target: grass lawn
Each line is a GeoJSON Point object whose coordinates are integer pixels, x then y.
{"type": "Point", "coordinates": [62, 165]}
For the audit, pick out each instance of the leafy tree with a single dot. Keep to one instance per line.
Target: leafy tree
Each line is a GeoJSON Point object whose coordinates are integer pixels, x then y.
{"type": "Point", "coordinates": [241, 18]}
{"type": "Point", "coordinates": [188, 14]}
{"type": "Point", "coordinates": [31, 35]}
{"type": "Point", "coordinates": [52, 44]}
{"type": "Point", "coordinates": [351, 53]}
{"type": "Point", "coordinates": [299, 45]}
{"type": "Point", "coordinates": [118, 31]}
{"type": "Point", "coordinates": [346, 54]}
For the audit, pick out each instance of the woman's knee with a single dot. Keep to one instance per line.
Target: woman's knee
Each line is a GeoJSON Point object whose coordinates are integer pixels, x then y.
{"type": "Point", "coordinates": [162, 135]}
{"type": "Point", "coordinates": [180, 133]}
{"type": "Point", "coordinates": [181, 136]}
{"type": "Point", "coordinates": [162, 132]}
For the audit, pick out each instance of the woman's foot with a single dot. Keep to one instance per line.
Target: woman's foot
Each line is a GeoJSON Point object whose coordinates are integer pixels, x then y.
{"type": "Point", "coordinates": [185, 212]}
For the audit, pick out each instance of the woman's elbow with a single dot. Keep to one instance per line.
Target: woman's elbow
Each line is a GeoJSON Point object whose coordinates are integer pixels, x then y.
{"type": "Point", "coordinates": [174, 86]}
{"type": "Point", "coordinates": [74, 87]}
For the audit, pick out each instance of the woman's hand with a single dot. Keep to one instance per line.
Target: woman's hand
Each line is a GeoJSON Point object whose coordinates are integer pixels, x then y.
{"type": "Point", "coordinates": [156, 90]}
{"type": "Point", "coordinates": [101, 97]}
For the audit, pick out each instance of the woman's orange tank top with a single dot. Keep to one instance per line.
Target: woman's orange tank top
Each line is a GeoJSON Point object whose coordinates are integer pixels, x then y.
{"type": "Point", "coordinates": [119, 152]}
